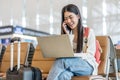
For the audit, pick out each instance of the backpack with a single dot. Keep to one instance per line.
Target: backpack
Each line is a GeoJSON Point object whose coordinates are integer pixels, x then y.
{"type": "Point", "coordinates": [98, 47]}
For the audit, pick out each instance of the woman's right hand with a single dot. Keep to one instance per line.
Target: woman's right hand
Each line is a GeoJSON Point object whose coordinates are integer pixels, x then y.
{"type": "Point", "coordinates": [64, 26]}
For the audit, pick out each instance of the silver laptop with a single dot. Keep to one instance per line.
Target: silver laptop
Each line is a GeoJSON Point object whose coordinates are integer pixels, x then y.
{"type": "Point", "coordinates": [56, 46]}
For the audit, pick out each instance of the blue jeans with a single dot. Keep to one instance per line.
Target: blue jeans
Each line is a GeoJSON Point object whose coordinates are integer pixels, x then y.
{"type": "Point", "coordinates": [65, 68]}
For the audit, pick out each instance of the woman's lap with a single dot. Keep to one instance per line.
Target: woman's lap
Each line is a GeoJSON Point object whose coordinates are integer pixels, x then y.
{"type": "Point", "coordinates": [66, 67]}
{"type": "Point", "coordinates": [78, 66]}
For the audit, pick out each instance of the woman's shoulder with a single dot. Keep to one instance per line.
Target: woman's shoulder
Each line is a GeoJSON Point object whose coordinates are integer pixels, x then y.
{"type": "Point", "coordinates": [88, 30]}
{"type": "Point", "coordinates": [91, 30]}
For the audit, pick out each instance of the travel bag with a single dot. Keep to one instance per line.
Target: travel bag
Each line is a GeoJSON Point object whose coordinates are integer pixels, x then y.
{"type": "Point", "coordinates": [14, 73]}
{"type": "Point", "coordinates": [21, 71]}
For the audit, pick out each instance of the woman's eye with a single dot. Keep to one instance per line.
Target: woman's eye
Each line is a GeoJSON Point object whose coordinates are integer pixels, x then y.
{"type": "Point", "coordinates": [71, 17]}
{"type": "Point", "coordinates": [65, 19]}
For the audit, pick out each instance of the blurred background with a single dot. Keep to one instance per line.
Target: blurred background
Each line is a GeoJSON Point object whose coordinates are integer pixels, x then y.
{"type": "Point", "coordinates": [103, 16]}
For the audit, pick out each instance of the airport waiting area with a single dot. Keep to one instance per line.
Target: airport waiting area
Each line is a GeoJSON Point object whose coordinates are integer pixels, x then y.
{"type": "Point", "coordinates": [32, 57]}
{"type": "Point", "coordinates": [59, 39]}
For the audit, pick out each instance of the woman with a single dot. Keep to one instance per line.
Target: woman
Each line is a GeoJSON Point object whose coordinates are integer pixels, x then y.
{"type": "Point", "coordinates": [85, 64]}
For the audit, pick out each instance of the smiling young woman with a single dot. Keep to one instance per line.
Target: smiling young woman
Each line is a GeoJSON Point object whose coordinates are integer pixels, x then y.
{"type": "Point", "coordinates": [85, 64]}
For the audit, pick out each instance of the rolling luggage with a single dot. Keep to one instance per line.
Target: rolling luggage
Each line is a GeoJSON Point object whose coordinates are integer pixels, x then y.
{"type": "Point", "coordinates": [21, 71]}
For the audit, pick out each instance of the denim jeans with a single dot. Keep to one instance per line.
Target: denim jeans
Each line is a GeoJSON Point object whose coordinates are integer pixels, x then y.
{"type": "Point", "coordinates": [65, 68]}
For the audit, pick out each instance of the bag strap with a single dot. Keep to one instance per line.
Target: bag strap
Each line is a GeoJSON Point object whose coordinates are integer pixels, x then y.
{"type": "Point", "coordinates": [86, 33]}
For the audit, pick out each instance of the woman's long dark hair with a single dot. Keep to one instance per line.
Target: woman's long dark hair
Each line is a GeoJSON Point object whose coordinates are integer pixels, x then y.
{"type": "Point", "coordinates": [74, 9]}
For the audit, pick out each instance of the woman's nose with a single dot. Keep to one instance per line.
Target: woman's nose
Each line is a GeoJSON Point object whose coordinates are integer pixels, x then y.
{"type": "Point", "coordinates": [68, 20]}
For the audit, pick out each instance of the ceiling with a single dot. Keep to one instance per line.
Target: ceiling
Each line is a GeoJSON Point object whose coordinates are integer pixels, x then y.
{"type": "Point", "coordinates": [104, 19]}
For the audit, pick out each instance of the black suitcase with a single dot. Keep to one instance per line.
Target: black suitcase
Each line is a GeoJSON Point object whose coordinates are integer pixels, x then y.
{"type": "Point", "coordinates": [21, 72]}
{"type": "Point", "coordinates": [14, 73]}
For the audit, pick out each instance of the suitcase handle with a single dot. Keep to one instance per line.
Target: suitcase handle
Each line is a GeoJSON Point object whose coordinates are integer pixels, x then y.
{"type": "Point", "coordinates": [15, 39]}
{"type": "Point", "coordinates": [12, 52]}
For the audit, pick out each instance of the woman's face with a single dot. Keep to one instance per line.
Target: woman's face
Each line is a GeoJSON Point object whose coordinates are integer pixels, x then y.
{"type": "Point", "coordinates": [71, 19]}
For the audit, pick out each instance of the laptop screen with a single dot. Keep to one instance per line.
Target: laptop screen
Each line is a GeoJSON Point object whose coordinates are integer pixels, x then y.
{"type": "Point", "coordinates": [56, 45]}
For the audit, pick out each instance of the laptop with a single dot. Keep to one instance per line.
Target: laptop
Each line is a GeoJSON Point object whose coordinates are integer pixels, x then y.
{"type": "Point", "coordinates": [56, 46]}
